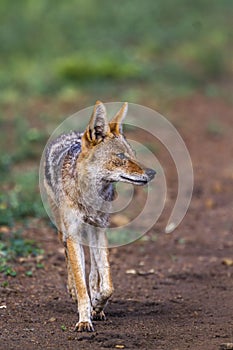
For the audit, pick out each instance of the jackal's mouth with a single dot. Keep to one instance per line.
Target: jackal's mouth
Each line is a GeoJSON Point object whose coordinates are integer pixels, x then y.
{"type": "Point", "coordinates": [134, 181]}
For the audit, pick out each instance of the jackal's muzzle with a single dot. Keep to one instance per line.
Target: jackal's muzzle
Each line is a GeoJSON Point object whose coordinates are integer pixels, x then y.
{"type": "Point", "coordinates": [142, 179]}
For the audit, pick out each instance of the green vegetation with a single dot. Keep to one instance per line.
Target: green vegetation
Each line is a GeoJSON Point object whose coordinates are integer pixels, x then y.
{"type": "Point", "coordinates": [13, 245]}
{"type": "Point", "coordinates": [47, 45]}
{"type": "Point", "coordinates": [63, 328]}
{"type": "Point", "coordinates": [22, 200]}
{"type": "Point", "coordinates": [19, 195]}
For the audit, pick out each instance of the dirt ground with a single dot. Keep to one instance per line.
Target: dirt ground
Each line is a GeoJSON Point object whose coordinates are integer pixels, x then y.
{"type": "Point", "coordinates": [180, 294]}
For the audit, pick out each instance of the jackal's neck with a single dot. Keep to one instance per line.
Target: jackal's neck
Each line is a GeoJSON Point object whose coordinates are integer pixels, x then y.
{"type": "Point", "coordinates": [94, 191]}
{"type": "Point", "coordinates": [88, 194]}
{"type": "Point", "coordinates": [93, 198]}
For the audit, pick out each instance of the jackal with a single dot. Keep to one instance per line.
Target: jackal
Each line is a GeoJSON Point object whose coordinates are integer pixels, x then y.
{"type": "Point", "coordinates": [80, 172]}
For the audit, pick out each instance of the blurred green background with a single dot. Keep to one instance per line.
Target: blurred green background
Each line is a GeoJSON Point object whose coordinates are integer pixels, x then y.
{"type": "Point", "coordinates": [58, 48]}
{"type": "Point", "coordinates": [58, 57]}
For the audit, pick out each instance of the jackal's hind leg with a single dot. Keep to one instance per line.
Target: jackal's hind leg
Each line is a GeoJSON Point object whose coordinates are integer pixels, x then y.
{"type": "Point", "coordinates": [98, 315]}
{"type": "Point", "coordinates": [101, 287]}
{"type": "Point", "coordinates": [70, 280]}
{"type": "Point", "coordinates": [94, 284]}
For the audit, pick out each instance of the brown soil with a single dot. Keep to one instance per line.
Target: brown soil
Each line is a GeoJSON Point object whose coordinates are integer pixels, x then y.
{"type": "Point", "coordinates": [181, 294]}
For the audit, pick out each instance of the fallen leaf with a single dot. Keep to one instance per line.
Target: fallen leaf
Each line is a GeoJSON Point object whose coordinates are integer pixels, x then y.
{"type": "Point", "coordinates": [209, 203]}
{"type": "Point", "coordinates": [119, 220]}
{"type": "Point", "coordinates": [226, 346]}
{"type": "Point", "coordinates": [131, 272]}
{"type": "Point", "coordinates": [39, 258]}
{"type": "Point", "coordinates": [145, 273]}
{"type": "Point", "coordinates": [217, 187]}
{"type": "Point", "coordinates": [227, 261]}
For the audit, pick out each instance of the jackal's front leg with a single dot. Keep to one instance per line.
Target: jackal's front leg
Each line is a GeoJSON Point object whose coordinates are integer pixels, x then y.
{"type": "Point", "coordinates": [101, 287]}
{"type": "Point", "coordinates": [75, 255]}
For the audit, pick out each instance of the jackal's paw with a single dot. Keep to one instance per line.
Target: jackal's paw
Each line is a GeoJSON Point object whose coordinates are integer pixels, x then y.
{"type": "Point", "coordinates": [84, 327]}
{"type": "Point", "coordinates": [72, 293]}
{"type": "Point", "coordinates": [98, 316]}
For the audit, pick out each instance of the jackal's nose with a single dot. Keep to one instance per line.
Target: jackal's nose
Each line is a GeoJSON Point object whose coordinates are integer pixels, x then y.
{"type": "Point", "coordinates": [150, 173]}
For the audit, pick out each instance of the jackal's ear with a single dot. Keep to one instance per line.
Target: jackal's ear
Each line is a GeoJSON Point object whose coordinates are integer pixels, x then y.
{"type": "Point", "coordinates": [98, 126]}
{"type": "Point", "coordinates": [116, 123]}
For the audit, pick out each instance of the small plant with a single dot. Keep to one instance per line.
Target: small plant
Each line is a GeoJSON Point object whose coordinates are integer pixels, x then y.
{"type": "Point", "coordinates": [4, 284]}
{"type": "Point", "coordinates": [63, 328]}
{"type": "Point", "coordinates": [40, 266]}
{"type": "Point", "coordinates": [13, 246]}
{"type": "Point", "coordinates": [6, 269]}
{"type": "Point", "coordinates": [29, 273]}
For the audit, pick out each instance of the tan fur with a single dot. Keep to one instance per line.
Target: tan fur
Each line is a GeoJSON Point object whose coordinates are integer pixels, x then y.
{"type": "Point", "coordinates": [80, 170]}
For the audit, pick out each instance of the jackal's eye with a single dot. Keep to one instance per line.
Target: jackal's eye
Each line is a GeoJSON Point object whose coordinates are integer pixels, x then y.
{"type": "Point", "coordinates": [121, 155]}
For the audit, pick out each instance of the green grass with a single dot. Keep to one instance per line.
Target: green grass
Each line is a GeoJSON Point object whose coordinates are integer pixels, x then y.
{"type": "Point", "coordinates": [21, 148]}
{"type": "Point", "coordinates": [46, 46]}
{"type": "Point", "coordinates": [12, 246]}
{"type": "Point", "coordinates": [22, 200]}
{"type": "Point", "coordinates": [101, 66]}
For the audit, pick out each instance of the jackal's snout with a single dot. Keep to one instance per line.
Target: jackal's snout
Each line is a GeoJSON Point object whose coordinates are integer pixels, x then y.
{"type": "Point", "coordinates": [150, 173]}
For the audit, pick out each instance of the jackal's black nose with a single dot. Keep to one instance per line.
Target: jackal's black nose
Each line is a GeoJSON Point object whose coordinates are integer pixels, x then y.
{"type": "Point", "coordinates": [150, 173]}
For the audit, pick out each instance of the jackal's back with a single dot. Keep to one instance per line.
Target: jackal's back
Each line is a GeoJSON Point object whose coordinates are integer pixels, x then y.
{"type": "Point", "coordinates": [55, 153]}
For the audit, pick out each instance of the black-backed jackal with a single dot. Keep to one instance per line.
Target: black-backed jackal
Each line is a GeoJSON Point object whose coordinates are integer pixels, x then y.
{"type": "Point", "coordinates": [80, 171]}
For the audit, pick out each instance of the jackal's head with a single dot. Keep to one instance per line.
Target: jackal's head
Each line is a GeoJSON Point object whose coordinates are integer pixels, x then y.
{"type": "Point", "coordinates": [105, 152]}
